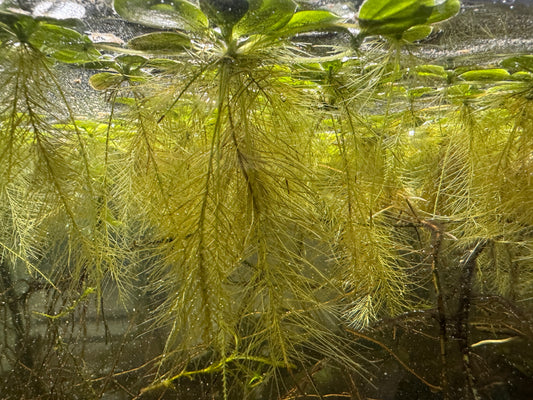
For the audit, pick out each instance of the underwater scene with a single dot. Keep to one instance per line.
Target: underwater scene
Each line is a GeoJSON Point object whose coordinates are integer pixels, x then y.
{"type": "Point", "coordinates": [266, 199]}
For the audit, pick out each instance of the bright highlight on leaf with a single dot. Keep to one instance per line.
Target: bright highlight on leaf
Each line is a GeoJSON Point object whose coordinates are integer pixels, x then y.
{"type": "Point", "coordinates": [393, 17]}
{"type": "Point", "coordinates": [309, 21]}
{"type": "Point", "coordinates": [495, 74]}
{"type": "Point", "coordinates": [168, 14]}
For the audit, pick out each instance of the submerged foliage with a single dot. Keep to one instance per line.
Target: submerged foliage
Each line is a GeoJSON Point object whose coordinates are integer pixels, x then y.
{"type": "Point", "coordinates": [259, 202]}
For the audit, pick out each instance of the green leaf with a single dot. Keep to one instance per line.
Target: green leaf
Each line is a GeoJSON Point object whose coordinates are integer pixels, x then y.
{"type": "Point", "coordinates": [516, 63]}
{"type": "Point", "coordinates": [417, 32]}
{"type": "Point", "coordinates": [419, 92]}
{"type": "Point", "coordinates": [169, 14]}
{"type": "Point", "coordinates": [522, 76]}
{"type": "Point", "coordinates": [310, 21]}
{"type": "Point", "coordinates": [130, 65]}
{"type": "Point", "coordinates": [161, 42]}
{"type": "Point", "coordinates": [99, 64]}
{"type": "Point", "coordinates": [431, 71]}
{"type": "Point", "coordinates": [510, 87]}
{"type": "Point", "coordinates": [265, 16]}
{"type": "Point", "coordinates": [162, 63]}
{"type": "Point", "coordinates": [17, 26]}
{"type": "Point", "coordinates": [465, 68]}
{"type": "Point", "coordinates": [105, 80]}
{"type": "Point", "coordinates": [495, 74]}
{"type": "Point", "coordinates": [463, 90]}
{"type": "Point", "coordinates": [444, 10]}
{"type": "Point", "coordinates": [391, 17]}
{"type": "Point", "coordinates": [65, 45]}
{"type": "Point", "coordinates": [130, 61]}
{"type": "Point", "coordinates": [332, 66]}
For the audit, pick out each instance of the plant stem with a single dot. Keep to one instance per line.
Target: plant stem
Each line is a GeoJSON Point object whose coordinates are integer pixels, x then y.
{"type": "Point", "coordinates": [441, 307]}
{"type": "Point", "coordinates": [436, 235]}
{"type": "Point", "coordinates": [468, 266]}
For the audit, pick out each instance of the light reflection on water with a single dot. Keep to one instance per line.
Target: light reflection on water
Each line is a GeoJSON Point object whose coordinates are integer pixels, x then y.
{"type": "Point", "coordinates": [59, 10]}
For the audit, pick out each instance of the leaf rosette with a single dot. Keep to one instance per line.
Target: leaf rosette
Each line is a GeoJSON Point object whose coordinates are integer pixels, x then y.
{"type": "Point", "coordinates": [238, 25]}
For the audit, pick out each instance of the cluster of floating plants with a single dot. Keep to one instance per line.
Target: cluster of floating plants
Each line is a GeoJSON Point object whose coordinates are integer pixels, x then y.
{"type": "Point", "coordinates": [260, 213]}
